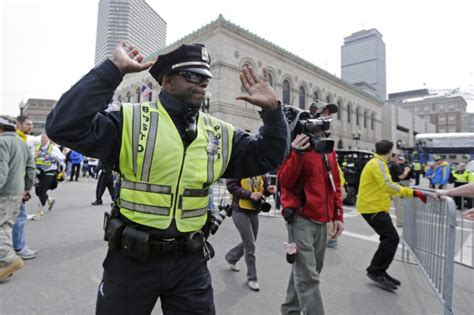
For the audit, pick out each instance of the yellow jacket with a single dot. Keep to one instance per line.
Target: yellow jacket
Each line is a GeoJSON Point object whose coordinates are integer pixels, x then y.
{"type": "Point", "coordinates": [376, 187]}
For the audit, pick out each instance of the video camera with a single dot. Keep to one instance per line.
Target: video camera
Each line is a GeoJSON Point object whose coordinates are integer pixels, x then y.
{"type": "Point", "coordinates": [301, 121]}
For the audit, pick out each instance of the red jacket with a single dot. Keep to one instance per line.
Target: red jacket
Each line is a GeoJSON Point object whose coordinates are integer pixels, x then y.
{"type": "Point", "coordinates": [308, 172]}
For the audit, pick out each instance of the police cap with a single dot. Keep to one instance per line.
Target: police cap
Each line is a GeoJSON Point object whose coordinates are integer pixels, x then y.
{"type": "Point", "coordinates": [192, 58]}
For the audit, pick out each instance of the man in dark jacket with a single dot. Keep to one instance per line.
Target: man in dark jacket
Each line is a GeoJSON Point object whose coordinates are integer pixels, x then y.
{"type": "Point", "coordinates": [310, 186]}
{"type": "Point", "coordinates": [164, 221]}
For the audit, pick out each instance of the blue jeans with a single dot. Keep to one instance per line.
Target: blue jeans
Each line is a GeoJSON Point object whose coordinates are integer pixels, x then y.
{"type": "Point", "coordinates": [19, 240]}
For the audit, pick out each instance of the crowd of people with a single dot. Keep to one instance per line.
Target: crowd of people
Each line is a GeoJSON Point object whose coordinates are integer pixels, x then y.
{"type": "Point", "coordinates": [51, 165]}
{"type": "Point", "coordinates": [159, 161]}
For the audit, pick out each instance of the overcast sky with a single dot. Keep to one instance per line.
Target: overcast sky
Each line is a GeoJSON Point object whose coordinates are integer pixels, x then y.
{"type": "Point", "coordinates": [47, 45]}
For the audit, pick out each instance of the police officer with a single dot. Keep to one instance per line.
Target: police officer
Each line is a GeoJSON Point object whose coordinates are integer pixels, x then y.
{"type": "Point", "coordinates": [168, 154]}
{"type": "Point", "coordinates": [461, 176]}
{"type": "Point", "coordinates": [416, 168]}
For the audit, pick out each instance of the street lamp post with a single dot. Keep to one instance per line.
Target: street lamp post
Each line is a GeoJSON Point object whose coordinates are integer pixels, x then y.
{"type": "Point", "coordinates": [206, 102]}
{"type": "Point", "coordinates": [356, 138]}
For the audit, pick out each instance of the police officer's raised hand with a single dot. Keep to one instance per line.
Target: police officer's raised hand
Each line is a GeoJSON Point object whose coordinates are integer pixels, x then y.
{"type": "Point", "coordinates": [260, 92]}
{"type": "Point", "coordinates": [127, 58]}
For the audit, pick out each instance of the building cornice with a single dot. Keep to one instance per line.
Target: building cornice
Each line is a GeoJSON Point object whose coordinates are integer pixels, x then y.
{"type": "Point", "coordinates": [220, 22]}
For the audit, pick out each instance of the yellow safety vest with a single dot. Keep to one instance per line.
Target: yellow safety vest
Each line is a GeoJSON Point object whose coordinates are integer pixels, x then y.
{"type": "Point", "coordinates": [461, 177]}
{"type": "Point", "coordinates": [43, 158]}
{"type": "Point", "coordinates": [416, 166]}
{"type": "Point", "coordinates": [252, 184]}
{"type": "Point", "coordinates": [162, 181]}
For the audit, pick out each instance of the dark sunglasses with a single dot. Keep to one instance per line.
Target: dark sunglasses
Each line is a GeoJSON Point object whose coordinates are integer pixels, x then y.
{"type": "Point", "coordinates": [192, 77]}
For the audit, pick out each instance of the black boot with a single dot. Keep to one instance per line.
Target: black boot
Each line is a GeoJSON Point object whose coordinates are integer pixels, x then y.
{"type": "Point", "coordinates": [97, 203]}
{"type": "Point", "coordinates": [382, 281]}
{"type": "Point", "coordinates": [393, 280]}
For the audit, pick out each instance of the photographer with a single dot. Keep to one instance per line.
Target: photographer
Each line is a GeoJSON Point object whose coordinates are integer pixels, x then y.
{"type": "Point", "coordinates": [311, 193]}
{"type": "Point", "coordinates": [248, 199]}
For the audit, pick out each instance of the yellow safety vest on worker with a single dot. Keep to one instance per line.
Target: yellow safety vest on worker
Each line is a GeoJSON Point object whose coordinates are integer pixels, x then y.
{"type": "Point", "coordinates": [463, 177]}
{"type": "Point", "coordinates": [416, 166]}
{"type": "Point", "coordinates": [44, 157]}
{"type": "Point", "coordinates": [252, 184]}
{"type": "Point", "coordinates": [161, 180]}
{"type": "Point", "coordinates": [376, 187]}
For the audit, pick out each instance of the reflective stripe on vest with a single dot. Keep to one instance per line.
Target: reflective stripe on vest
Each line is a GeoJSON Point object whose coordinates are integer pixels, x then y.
{"type": "Point", "coordinates": [40, 160]}
{"type": "Point", "coordinates": [252, 184]}
{"type": "Point", "coordinates": [161, 181]}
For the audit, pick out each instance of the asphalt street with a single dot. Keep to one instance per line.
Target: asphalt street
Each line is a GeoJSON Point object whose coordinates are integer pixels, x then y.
{"type": "Point", "coordinates": [63, 279]}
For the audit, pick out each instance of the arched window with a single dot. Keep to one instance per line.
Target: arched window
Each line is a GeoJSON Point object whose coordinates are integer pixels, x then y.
{"type": "Point", "coordinates": [339, 107]}
{"type": "Point", "coordinates": [119, 99]}
{"type": "Point", "coordinates": [340, 145]}
{"type": "Point", "coordinates": [302, 97]}
{"type": "Point", "coordinates": [286, 92]}
{"type": "Point", "coordinates": [357, 116]}
{"type": "Point", "coordinates": [270, 79]}
{"type": "Point", "coordinates": [137, 92]}
{"type": "Point", "coordinates": [349, 113]}
{"type": "Point", "coordinates": [129, 97]}
{"type": "Point", "coordinates": [372, 121]}
{"type": "Point", "coordinates": [315, 96]}
{"type": "Point", "coordinates": [365, 119]}
{"type": "Point", "coordinates": [150, 95]}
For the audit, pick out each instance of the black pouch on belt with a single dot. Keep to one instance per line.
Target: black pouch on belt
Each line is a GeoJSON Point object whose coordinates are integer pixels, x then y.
{"type": "Point", "coordinates": [135, 244]}
{"type": "Point", "coordinates": [194, 242]}
{"type": "Point", "coordinates": [113, 227]}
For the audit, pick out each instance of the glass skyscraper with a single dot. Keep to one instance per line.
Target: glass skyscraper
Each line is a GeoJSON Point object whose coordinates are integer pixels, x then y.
{"type": "Point", "coordinates": [131, 20]}
{"type": "Point", "coordinates": [363, 61]}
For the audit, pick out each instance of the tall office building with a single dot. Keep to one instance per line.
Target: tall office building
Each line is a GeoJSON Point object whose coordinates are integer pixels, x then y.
{"type": "Point", "coordinates": [130, 20]}
{"type": "Point", "coordinates": [363, 61]}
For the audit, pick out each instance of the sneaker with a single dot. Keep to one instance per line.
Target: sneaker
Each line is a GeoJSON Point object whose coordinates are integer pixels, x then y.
{"type": "Point", "coordinates": [51, 202]}
{"type": "Point", "coordinates": [234, 267]}
{"type": "Point", "coordinates": [382, 281]}
{"type": "Point", "coordinates": [7, 270]}
{"type": "Point", "coordinates": [27, 253]}
{"type": "Point", "coordinates": [97, 203]}
{"type": "Point", "coordinates": [253, 285]}
{"type": "Point", "coordinates": [331, 243]}
{"type": "Point", "coordinates": [38, 215]}
{"type": "Point", "coordinates": [393, 280]}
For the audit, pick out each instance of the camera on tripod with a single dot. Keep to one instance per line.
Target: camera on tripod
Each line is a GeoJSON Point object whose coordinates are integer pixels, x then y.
{"type": "Point", "coordinates": [262, 205]}
{"type": "Point", "coordinates": [302, 121]}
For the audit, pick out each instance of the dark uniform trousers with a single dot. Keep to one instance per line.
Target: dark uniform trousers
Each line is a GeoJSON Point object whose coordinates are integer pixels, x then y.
{"type": "Point", "coordinates": [182, 282]}
{"type": "Point", "coordinates": [389, 239]}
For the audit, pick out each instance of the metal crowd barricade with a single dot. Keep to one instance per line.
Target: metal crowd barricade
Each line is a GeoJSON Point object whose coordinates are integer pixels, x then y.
{"type": "Point", "coordinates": [429, 232]}
{"type": "Point", "coordinates": [465, 240]}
